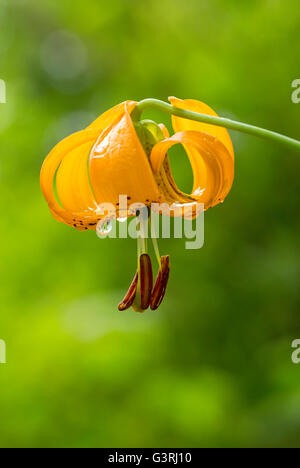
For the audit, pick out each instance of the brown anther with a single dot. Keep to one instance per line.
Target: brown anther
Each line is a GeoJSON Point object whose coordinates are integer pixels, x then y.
{"type": "Point", "coordinates": [146, 280]}
{"type": "Point", "coordinates": [130, 295]}
{"type": "Point", "coordinates": [161, 282]}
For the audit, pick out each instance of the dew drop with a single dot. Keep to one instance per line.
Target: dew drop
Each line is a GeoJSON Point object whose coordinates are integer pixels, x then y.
{"type": "Point", "coordinates": [104, 228]}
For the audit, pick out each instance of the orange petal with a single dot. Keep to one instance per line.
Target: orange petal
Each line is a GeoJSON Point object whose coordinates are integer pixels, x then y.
{"type": "Point", "coordinates": [67, 164]}
{"type": "Point", "coordinates": [211, 162]}
{"type": "Point", "coordinates": [119, 166]}
{"type": "Point", "coordinates": [53, 161]}
{"type": "Point", "coordinates": [72, 183]}
{"type": "Point", "coordinates": [112, 115]}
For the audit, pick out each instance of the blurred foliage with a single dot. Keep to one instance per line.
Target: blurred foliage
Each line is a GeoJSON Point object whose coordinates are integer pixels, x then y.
{"type": "Point", "coordinates": [213, 366]}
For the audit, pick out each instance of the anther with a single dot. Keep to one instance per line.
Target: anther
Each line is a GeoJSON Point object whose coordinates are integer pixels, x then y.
{"type": "Point", "coordinates": [161, 282]}
{"type": "Point", "coordinates": [130, 295]}
{"type": "Point", "coordinates": [146, 280]}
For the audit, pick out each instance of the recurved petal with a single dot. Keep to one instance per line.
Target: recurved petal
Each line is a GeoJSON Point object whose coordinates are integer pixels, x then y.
{"type": "Point", "coordinates": [52, 163]}
{"type": "Point", "coordinates": [212, 164]}
{"type": "Point", "coordinates": [72, 182]}
{"type": "Point", "coordinates": [67, 167]}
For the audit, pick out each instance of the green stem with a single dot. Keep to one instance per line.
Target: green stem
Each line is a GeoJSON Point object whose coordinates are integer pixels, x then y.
{"type": "Point", "coordinates": [219, 121]}
{"type": "Point", "coordinates": [142, 223]}
{"type": "Point", "coordinates": [155, 244]}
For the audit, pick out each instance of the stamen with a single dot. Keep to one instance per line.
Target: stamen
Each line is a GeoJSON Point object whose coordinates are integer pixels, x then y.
{"type": "Point", "coordinates": [155, 244]}
{"type": "Point", "coordinates": [146, 280]}
{"type": "Point", "coordinates": [130, 295]}
{"type": "Point", "coordinates": [161, 282]}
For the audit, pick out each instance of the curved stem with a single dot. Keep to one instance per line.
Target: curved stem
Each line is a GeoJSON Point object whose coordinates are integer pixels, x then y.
{"type": "Point", "coordinates": [219, 121]}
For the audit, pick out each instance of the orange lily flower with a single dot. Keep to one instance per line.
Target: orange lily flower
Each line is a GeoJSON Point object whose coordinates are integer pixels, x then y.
{"type": "Point", "coordinates": [116, 155]}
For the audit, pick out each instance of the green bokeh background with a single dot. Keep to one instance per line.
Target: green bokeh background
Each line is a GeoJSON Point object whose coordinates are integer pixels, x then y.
{"type": "Point", "coordinates": [212, 367]}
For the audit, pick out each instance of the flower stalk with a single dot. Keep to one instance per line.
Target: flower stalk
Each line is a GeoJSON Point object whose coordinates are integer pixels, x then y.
{"type": "Point", "coordinates": [219, 121]}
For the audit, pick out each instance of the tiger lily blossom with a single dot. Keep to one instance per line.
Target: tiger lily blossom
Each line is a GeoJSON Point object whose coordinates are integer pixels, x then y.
{"type": "Point", "coordinates": [121, 154]}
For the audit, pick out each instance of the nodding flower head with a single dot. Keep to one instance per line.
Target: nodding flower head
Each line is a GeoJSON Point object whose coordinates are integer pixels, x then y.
{"type": "Point", "coordinates": [118, 154]}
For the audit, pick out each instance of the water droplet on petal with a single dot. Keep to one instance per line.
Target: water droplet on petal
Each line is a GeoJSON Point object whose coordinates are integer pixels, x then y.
{"type": "Point", "coordinates": [104, 228]}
